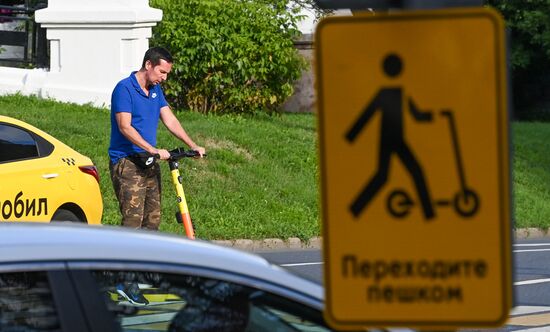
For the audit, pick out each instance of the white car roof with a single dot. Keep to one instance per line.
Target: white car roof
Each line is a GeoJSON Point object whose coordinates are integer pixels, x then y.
{"type": "Point", "coordinates": [37, 242]}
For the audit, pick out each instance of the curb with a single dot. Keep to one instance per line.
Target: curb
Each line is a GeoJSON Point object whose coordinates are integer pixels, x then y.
{"type": "Point", "coordinates": [531, 233]}
{"type": "Point", "coordinates": [295, 243]}
{"type": "Point", "coordinates": [292, 243]}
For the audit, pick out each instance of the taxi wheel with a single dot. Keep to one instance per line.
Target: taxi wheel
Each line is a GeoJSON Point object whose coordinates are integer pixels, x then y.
{"type": "Point", "coordinates": [65, 215]}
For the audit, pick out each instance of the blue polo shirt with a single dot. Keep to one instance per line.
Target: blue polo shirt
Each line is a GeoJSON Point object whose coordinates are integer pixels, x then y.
{"type": "Point", "coordinates": [129, 97]}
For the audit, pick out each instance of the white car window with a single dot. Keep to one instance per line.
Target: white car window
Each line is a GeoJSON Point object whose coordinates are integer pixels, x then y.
{"type": "Point", "coordinates": [178, 303]}
{"type": "Point", "coordinates": [26, 303]}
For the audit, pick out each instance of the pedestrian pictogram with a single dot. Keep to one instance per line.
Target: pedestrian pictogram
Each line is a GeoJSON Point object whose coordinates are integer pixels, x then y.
{"type": "Point", "coordinates": [389, 102]}
{"type": "Point", "coordinates": [414, 169]}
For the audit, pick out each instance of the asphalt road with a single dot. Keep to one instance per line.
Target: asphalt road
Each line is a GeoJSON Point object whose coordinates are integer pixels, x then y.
{"type": "Point", "coordinates": [531, 285]}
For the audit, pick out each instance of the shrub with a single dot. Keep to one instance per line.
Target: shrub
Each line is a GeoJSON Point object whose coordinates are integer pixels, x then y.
{"type": "Point", "coordinates": [231, 56]}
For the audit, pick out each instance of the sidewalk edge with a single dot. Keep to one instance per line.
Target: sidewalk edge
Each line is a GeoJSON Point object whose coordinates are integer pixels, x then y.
{"type": "Point", "coordinates": [294, 243]}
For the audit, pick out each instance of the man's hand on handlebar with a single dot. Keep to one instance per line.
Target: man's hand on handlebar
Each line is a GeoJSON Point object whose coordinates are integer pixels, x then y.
{"type": "Point", "coordinates": [200, 150]}
{"type": "Point", "coordinates": [163, 154]}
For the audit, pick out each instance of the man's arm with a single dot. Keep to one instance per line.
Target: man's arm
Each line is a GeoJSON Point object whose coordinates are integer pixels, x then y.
{"type": "Point", "coordinates": [419, 114]}
{"type": "Point", "coordinates": [124, 122]}
{"type": "Point", "coordinates": [174, 126]}
{"type": "Point", "coordinates": [363, 119]}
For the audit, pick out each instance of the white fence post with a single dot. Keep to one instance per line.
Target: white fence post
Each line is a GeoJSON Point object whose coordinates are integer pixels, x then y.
{"type": "Point", "coordinates": [93, 44]}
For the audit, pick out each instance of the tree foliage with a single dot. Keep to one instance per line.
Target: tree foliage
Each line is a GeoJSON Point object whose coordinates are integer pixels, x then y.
{"type": "Point", "coordinates": [529, 21]}
{"type": "Point", "coordinates": [231, 56]}
{"type": "Point", "coordinates": [529, 24]}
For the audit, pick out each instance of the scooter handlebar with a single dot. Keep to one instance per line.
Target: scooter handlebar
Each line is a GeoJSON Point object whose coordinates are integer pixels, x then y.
{"type": "Point", "coordinates": [179, 153]}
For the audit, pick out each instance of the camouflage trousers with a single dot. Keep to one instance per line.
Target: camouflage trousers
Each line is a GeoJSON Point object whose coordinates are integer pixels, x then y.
{"type": "Point", "coordinates": [138, 192]}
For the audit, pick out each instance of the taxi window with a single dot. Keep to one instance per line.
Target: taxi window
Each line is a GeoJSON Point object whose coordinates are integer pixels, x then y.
{"type": "Point", "coordinates": [178, 303]}
{"type": "Point", "coordinates": [26, 303]}
{"type": "Point", "coordinates": [16, 144]}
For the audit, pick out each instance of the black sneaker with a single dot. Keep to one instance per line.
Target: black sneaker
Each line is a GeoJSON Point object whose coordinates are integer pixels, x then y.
{"type": "Point", "coordinates": [132, 294]}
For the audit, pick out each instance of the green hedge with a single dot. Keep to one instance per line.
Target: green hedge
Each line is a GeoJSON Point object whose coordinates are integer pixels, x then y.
{"type": "Point", "coordinates": [231, 56]}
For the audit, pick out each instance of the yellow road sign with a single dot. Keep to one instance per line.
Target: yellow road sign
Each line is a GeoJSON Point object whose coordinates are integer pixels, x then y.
{"type": "Point", "coordinates": [413, 132]}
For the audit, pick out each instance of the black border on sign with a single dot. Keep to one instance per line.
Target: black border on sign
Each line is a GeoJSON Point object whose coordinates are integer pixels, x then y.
{"type": "Point", "coordinates": [505, 178]}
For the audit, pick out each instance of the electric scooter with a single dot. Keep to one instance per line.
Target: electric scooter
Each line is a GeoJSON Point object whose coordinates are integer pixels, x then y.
{"type": "Point", "coordinates": [465, 201]}
{"type": "Point", "coordinates": [182, 215]}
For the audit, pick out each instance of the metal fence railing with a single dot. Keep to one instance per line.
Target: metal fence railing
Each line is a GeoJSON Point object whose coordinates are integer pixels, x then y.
{"type": "Point", "coordinates": [19, 31]}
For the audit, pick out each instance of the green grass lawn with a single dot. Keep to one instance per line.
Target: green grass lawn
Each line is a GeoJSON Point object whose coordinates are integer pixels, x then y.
{"type": "Point", "coordinates": [531, 173]}
{"type": "Point", "coordinates": [260, 177]}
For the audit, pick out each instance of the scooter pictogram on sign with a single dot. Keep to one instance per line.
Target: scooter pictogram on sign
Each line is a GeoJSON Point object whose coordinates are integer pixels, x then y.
{"type": "Point", "coordinates": [389, 101]}
{"type": "Point", "coordinates": [465, 201]}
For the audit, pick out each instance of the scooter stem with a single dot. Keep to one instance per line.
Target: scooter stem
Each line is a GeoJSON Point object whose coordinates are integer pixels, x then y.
{"type": "Point", "coordinates": [182, 203]}
{"type": "Point", "coordinates": [456, 148]}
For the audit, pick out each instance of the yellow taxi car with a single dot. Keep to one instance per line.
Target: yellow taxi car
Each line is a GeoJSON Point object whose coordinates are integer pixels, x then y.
{"type": "Point", "coordinates": [42, 179]}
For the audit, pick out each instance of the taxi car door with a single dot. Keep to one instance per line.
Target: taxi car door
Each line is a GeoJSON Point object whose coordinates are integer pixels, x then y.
{"type": "Point", "coordinates": [28, 179]}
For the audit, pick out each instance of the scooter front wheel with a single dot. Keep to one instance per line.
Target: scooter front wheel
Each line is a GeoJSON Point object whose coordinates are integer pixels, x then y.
{"type": "Point", "coordinates": [466, 203]}
{"type": "Point", "coordinates": [399, 203]}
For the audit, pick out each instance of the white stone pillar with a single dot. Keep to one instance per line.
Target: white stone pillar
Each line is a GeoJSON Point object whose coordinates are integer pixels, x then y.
{"type": "Point", "coordinates": [94, 44]}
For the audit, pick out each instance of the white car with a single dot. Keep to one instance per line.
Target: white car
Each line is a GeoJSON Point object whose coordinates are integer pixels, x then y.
{"type": "Point", "coordinates": [67, 277]}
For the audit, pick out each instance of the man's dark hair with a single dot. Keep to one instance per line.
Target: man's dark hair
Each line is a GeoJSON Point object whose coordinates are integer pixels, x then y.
{"type": "Point", "coordinates": [155, 54]}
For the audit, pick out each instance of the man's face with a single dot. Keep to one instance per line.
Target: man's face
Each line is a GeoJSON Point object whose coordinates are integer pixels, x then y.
{"type": "Point", "coordinates": [159, 73]}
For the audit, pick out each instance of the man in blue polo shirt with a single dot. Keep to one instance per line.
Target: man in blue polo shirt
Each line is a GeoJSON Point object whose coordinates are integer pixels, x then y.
{"type": "Point", "coordinates": [137, 105]}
